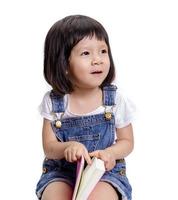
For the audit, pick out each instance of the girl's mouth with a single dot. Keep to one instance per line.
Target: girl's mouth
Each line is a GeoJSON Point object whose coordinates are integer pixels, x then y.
{"type": "Point", "coordinates": [96, 72]}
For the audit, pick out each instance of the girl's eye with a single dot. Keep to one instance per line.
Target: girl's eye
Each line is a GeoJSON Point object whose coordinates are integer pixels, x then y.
{"type": "Point", "coordinates": [85, 53]}
{"type": "Point", "coordinates": [104, 51]}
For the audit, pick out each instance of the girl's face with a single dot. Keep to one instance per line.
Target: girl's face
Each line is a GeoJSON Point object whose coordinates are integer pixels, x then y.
{"type": "Point", "coordinates": [89, 63]}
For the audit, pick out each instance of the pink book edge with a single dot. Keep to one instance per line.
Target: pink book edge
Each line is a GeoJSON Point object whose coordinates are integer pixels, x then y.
{"type": "Point", "coordinates": [80, 166]}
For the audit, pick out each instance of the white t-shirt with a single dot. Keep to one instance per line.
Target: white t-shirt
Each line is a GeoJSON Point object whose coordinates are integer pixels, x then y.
{"type": "Point", "coordinates": [123, 111]}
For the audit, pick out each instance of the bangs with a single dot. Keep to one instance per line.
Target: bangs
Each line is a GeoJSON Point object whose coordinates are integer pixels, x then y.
{"type": "Point", "coordinates": [90, 34]}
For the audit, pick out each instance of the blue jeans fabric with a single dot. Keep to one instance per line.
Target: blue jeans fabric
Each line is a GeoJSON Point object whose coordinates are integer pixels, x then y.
{"type": "Point", "coordinates": [95, 132]}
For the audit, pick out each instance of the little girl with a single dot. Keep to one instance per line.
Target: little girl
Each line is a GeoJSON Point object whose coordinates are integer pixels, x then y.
{"type": "Point", "coordinates": [84, 114]}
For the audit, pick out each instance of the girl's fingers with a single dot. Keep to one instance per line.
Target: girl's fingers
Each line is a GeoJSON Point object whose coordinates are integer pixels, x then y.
{"type": "Point", "coordinates": [107, 166]}
{"type": "Point", "coordinates": [66, 155]}
{"type": "Point", "coordinates": [73, 153]}
{"type": "Point", "coordinates": [94, 154]}
{"type": "Point", "coordinates": [69, 157]}
{"type": "Point", "coordinates": [87, 158]}
{"type": "Point", "coordinates": [73, 156]}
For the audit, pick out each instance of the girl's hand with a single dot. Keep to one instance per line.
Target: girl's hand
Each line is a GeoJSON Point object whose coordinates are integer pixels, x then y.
{"type": "Point", "coordinates": [106, 156]}
{"type": "Point", "coordinates": [74, 151]}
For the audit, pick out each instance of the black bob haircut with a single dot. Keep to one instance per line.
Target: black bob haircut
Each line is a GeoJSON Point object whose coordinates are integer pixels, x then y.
{"type": "Point", "coordinates": [60, 40]}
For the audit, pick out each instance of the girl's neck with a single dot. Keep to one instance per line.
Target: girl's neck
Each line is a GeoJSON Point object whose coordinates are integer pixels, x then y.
{"type": "Point", "coordinates": [82, 101]}
{"type": "Point", "coordinates": [85, 92]}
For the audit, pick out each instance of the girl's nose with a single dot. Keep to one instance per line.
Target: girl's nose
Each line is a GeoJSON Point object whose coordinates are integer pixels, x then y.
{"type": "Point", "coordinates": [97, 60]}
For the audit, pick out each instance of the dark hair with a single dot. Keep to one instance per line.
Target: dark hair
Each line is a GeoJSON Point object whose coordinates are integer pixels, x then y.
{"type": "Point", "coordinates": [60, 40]}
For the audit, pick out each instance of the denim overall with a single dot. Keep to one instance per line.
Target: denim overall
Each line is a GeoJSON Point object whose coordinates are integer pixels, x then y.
{"type": "Point", "coordinates": [95, 132]}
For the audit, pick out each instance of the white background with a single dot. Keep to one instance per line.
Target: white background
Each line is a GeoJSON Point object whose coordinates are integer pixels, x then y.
{"type": "Point", "coordinates": [144, 42]}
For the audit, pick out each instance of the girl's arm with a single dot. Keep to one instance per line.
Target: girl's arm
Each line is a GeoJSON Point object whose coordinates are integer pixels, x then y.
{"type": "Point", "coordinates": [55, 149]}
{"type": "Point", "coordinates": [123, 146]}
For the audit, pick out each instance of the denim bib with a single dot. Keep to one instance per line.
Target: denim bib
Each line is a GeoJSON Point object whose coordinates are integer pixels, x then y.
{"type": "Point", "coordinates": [96, 132]}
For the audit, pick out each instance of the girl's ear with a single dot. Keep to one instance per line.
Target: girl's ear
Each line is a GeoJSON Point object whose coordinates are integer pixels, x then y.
{"type": "Point", "coordinates": [67, 72]}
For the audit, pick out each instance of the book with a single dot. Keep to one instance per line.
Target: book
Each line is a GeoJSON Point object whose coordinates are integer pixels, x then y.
{"type": "Point", "coordinates": [87, 178]}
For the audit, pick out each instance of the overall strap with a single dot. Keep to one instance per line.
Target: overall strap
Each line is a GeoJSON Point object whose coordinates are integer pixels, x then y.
{"type": "Point", "coordinates": [109, 94]}
{"type": "Point", "coordinates": [57, 103]}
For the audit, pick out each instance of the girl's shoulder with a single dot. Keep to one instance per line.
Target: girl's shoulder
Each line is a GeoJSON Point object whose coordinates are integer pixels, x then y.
{"type": "Point", "coordinates": [47, 95]}
{"type": "Point", "coordinates": [124, 109]}
{"type": "Point", "coordinates": [45, 107]}
{"type": "Point", "coordinates": [47, 98]}
{"type": "Point", "coordinates": [120, 95]}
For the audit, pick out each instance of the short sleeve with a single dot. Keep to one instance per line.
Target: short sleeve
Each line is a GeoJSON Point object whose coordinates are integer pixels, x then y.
{"type": "Point", "coordinates": [45, 107]}
{"type": "Point", "coordinates": [124, 111]}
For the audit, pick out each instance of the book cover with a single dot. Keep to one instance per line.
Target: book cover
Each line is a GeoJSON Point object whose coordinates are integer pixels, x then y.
{"type": "Point", "coordinates": [87, 178]}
